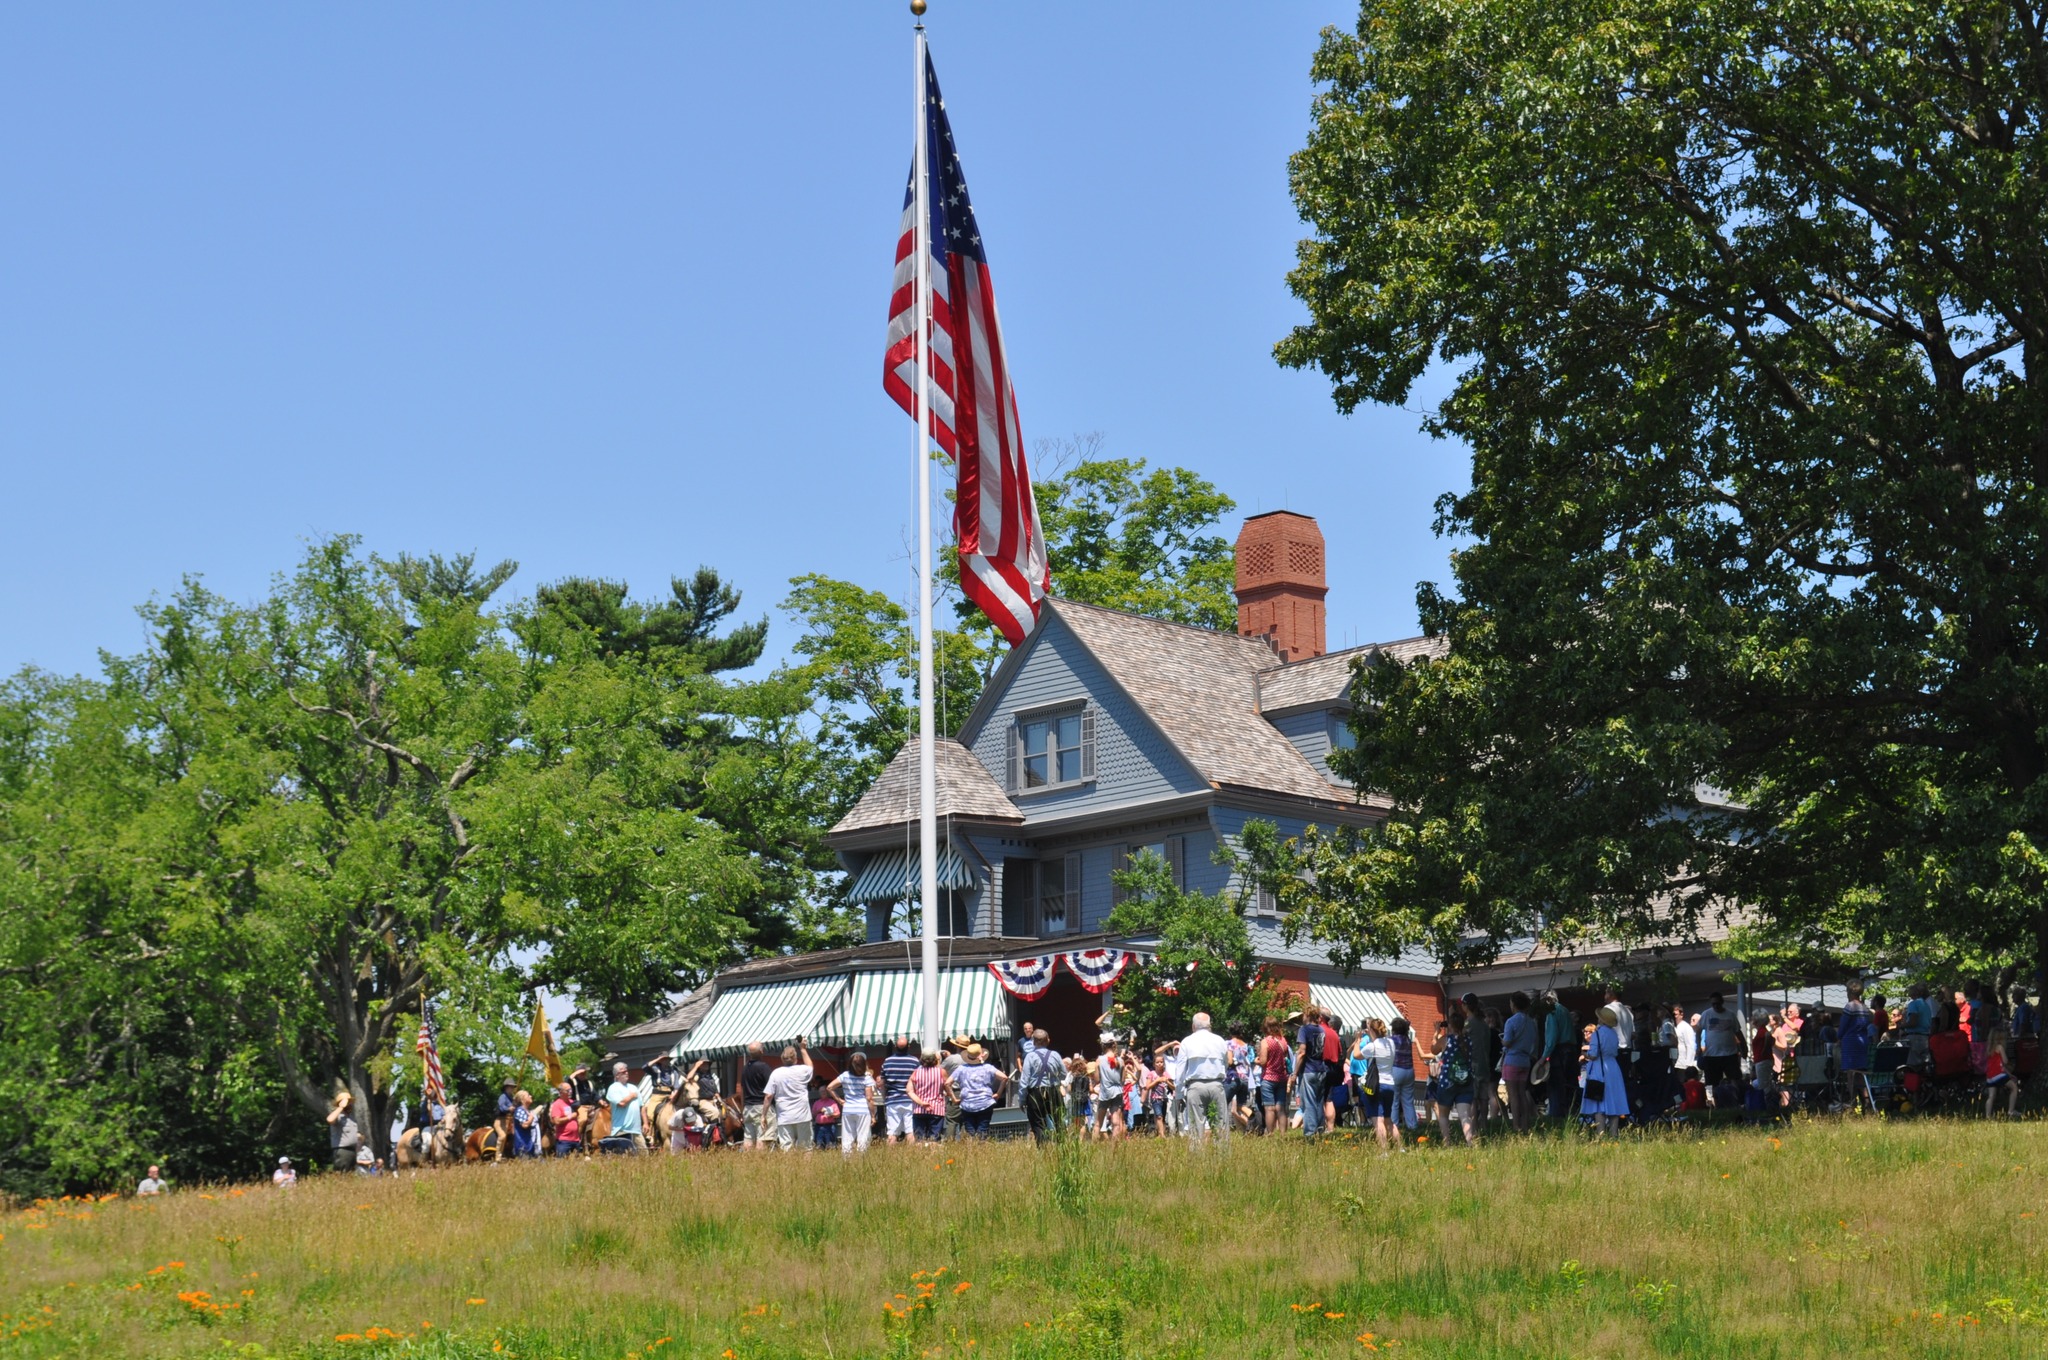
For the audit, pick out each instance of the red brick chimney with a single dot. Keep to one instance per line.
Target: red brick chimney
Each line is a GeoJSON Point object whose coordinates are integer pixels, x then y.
{"type": "Point", "coordinates": [1280, 583]}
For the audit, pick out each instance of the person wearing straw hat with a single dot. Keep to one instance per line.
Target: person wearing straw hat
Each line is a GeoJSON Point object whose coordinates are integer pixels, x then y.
{"type": "Point", "coordinates": [975, 1086]}
{"type": "Point", "coordinates": [344, 1135]}
{"type": "Point", "coordinates": [950, 1064]}
{"type": "Point", "coordinates": [1605, 1096]}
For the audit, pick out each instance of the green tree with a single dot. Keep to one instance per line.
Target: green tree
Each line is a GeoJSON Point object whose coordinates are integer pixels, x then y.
{"type": "Point", "coordinates": [1117, 534]}
{"type": "Point", "coordinates": [1127, 536]}
{"type": "Point", "coordinates": [237, 863]}
{"type": "Point", "coordinates": [1750, 342]}
{"type": "Point", "coordinates": [1203, 958]}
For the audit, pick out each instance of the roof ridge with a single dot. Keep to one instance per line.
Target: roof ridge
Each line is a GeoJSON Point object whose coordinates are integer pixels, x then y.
{"type": "Point", "coordinates": [1346, 651]}
{"type": "Point", "coordinates": [1196, 628]}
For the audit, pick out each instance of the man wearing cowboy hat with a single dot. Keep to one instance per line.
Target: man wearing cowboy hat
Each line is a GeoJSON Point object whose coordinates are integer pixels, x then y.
{"type": "Point", "coordinates": [506, 1104]}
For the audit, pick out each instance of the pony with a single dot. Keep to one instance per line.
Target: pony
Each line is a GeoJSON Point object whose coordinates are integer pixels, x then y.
{"type": "Point", "coordinates": [442, 1146]}
{"type": "Point", "coordinates": [485, 1145]}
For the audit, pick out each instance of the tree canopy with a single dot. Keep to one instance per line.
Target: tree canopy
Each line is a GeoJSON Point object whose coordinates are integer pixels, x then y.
{"type": "Point", "coordinates": [236, 864]}
{"type": "Point", "coordinates": [1118, 533]}
{"type": "Point", "coordinates": [1748, 323]}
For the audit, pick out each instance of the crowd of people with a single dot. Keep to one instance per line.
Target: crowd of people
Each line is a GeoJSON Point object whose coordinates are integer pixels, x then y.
{"type": "Point", "coordinates": [1479, 1068]}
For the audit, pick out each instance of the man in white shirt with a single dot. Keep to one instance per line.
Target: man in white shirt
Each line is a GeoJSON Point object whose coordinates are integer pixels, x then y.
{"type": "Point", "coordinates": [624, 1097]}
{"type": "Point", "coordinates": [786, 1104]}
{"type": "Point", "coordinates": [1204, 1061]}
{"type": "Point", "coordinates": [1684, 1046]}
{"type": "Point", "coordinates": [1176, 1091]}
{"type": "Point", "coordinates": [1624, 1018]}
{"type": "Point", "coordinates": [152, 1184]}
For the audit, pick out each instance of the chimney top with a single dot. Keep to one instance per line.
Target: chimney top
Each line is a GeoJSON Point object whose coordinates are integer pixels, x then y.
{"type": "Point", "coordinates": [1281, 583]}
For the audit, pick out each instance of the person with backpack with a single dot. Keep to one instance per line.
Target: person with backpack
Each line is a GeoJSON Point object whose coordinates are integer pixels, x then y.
{"type": "Point", "coordinates": [1377, 1081]}
{"type": "Point", "coordinates": [1454, 1080]}
{"type": "Point", "coordinates": [1311, 1070]}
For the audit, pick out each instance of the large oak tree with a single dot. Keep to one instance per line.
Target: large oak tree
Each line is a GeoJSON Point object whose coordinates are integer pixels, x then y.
{"type": "Point", "coordinates": [1746, 310]}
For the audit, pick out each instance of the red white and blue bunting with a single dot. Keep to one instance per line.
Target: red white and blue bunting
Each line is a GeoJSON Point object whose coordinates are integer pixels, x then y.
{"type": "Point", "coordinates": [1026, 979]}
{"type": "Point", "coordinates": [1098, 969]}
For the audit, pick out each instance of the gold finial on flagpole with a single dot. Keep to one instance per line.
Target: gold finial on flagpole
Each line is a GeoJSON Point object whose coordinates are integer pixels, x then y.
{"type": "Point", "coordinates": [917, 7]}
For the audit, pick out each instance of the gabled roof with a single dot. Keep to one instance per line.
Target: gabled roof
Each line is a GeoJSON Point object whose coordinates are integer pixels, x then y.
{"type": "Point", "coordinates": [1323, 681]}
{"type": "Point", "coordinates": [1201, 689]}
{"type": "Point", "coordinates": [967, 792]}
{"type": "Point", "coordinates": [678, 1021]}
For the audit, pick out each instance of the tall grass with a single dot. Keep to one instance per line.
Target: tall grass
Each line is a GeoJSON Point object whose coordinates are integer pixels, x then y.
{"type": "Point", "coordinates": [1913, 1239]}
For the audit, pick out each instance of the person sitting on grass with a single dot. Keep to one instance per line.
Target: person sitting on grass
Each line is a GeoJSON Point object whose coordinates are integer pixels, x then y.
{"type": "Point", "coordinates": [152, 1184]}
{"type": "Point", "coordinates": [284, 1175]}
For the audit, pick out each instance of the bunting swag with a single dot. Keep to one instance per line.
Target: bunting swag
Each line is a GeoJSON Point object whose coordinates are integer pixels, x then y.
{"type": "Point", "coordinates": [1026, 979]}
{"type": "Point", "coordinates": [1098, 969]}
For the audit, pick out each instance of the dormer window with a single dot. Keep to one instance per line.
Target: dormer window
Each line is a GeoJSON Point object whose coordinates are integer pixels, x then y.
{"type": "Point", "coordinates": [1342, 738]}
{"type": "Point", "coordinates": [1052, 748]}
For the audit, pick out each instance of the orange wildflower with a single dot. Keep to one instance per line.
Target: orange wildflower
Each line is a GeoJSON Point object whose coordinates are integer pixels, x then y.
{"type": "Point", "coordinates": [963, 1286]}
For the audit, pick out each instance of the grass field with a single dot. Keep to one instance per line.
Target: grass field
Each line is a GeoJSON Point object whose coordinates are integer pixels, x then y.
{"type": "Point", "coordinates": [1902, 1239]}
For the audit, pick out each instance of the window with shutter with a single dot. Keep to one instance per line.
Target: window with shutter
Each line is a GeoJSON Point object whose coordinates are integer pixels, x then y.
{"type": "Point", "coordinates": [1020, 888]}
{"type": "Point", "coordinates": [1073, 883]}
{"type": "Point", "coordinates": [1176, 859]}
{"type": "Point", "coordinates": [1052, 750]}
{"type": "Point", "coordinates": [1053, 910]}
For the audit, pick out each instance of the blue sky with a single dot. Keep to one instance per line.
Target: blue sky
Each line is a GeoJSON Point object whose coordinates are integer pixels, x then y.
{"type": "Point", "coordinates": [603, 289]}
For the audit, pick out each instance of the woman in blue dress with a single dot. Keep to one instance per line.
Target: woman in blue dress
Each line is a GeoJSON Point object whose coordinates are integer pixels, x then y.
{"type": "Point", "coordinates": [1606, 1094]}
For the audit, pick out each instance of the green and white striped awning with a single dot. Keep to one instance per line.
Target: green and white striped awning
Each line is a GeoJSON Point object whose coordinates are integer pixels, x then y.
{"type": "Point", "coordinates": [772, 1014]}
{"type": "Point", "coordinates": [1351, 1004]}
{"type": "Point", "coordinates": [892, 875]}
{"type": "Point", "coordinates": [880, 1006]}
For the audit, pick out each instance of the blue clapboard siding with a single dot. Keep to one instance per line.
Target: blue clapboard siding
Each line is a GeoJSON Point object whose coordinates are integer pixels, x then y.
{"type": "Point", "coordinates": [1310, 734]}
{"type": "Point", "coordinates": [1133, 762]}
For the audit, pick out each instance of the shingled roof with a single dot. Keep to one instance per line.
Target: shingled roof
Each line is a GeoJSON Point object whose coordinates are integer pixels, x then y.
{"type": "Point", "coordinates": [966, 791]}
{"type": "Point", "coordinates": [1323, 680]}
{"type": "Point", "coordinates": [1202, 690]}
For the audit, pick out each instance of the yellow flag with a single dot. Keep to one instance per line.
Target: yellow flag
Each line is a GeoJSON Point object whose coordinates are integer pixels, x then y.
{"type": "Point", "coordinates": [540, 1045]}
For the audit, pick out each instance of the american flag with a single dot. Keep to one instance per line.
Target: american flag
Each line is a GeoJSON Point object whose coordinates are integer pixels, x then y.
{"type": "Point", "coordinates": [1003, 565]}
{"type": "Point", "coordinates": [436, 1090]}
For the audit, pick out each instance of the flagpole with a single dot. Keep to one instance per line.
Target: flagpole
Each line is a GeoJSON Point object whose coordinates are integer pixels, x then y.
{"type": "Point", "coordinates": [927, 755]}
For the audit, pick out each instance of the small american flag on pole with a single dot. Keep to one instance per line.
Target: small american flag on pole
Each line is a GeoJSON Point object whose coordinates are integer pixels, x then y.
{"type": "Point", "coordinates": [1003, 564]}
{"type": "Point", "coordinates": [436, 1091]}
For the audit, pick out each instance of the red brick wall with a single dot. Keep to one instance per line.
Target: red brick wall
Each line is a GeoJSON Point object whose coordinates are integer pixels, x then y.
{"type": "Point", "coordinates": [1422, 1002]}
{"type": "Point", "coordinates": [1281, 583]}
